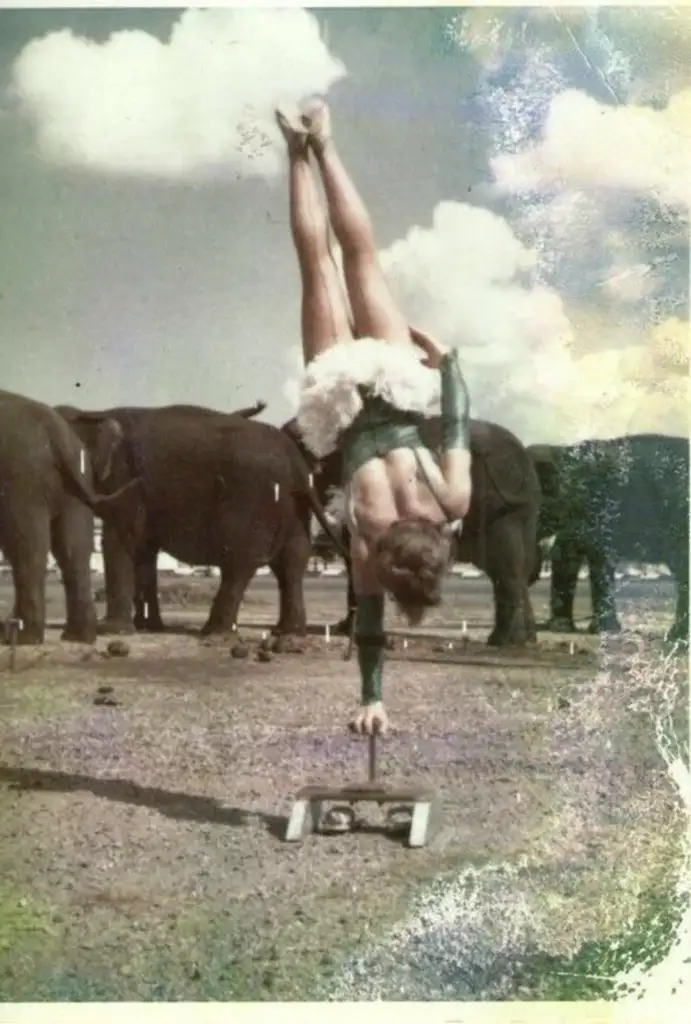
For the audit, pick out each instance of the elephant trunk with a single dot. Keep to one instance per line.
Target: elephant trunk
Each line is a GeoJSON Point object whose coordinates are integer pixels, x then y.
{"type": "Point", "coordinates": [101, 505]}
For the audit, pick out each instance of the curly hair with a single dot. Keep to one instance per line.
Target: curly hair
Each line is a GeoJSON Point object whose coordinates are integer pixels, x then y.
{"type": "Point", "coordinates": [412, 557]}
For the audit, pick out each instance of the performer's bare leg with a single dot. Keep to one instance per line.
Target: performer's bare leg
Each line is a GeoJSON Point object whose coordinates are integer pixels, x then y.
{"type": "Point", "coordinates": [375, 312]}
{"type": "Point", "coordinates": [324, 314]}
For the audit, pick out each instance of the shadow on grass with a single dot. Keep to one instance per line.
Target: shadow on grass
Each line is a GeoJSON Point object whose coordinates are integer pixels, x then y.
{"type": "Point", "coordinates": [173, 804]}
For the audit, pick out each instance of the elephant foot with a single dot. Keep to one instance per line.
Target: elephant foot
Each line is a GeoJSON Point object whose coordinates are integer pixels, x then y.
{"type": "Point", "coordinates": [79, 635]}
{"type": "Point", "coordinates": [220, 640]}
{"type": "Point", "coordinates": [510, 638]}
{"type": "Point", "coordinates": [604, 624]}
{"type": "Point", "coordinates": [290, 630]}
{"type": "Point", "coordinates": [343, 627]}
{"type": "Point", "coordinates": [149, 625]}
{"type": "Point", "coordinates": [560, 624]}
{"type": "Point", "coordinates": [286, 643]}
{"type": "Point", "coordinates": [215, 632]}
{"type": "Point", "coordinates": [115, 627]}
{"type": "Point", "coordinates": [27, 638]}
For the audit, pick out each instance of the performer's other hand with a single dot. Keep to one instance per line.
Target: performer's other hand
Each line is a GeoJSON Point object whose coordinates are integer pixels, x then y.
{"type": "Point", "coordinates": [370, 719]}
{"type": "Point", "coordinates": [433, 350]}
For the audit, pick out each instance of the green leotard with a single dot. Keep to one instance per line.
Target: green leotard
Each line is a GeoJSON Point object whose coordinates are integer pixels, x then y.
{"type": "Point", "coordinates": [377, 429]}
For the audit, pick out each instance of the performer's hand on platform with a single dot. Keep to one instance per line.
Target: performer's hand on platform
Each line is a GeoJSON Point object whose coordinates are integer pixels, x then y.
{"type": "Point", "coordinates": [370, 719]}
{"type": "Point", "coordinates": [433, 350]}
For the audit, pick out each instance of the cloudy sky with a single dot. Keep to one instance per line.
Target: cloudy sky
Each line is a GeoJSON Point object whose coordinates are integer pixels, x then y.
{"type": "Point", "coordinates": [527, 172]}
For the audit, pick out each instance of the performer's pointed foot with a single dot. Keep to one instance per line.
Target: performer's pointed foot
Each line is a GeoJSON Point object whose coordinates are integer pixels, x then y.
{"type": "Point", "coordinates": [316, 118]}
{"type": "Point", "coordinates": [291, 127]}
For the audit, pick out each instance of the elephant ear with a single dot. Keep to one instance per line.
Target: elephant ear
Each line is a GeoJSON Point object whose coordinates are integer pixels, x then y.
{"type": "Point", "coordinates": [103, 435]}
{"type": "Point", "coordinates": [543, 454]}
{"type": "Point", "coordinates": [546, 458]}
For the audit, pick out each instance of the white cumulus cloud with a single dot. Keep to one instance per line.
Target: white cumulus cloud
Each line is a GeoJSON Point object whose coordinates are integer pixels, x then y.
{"type": "Point", "coordinates": [530, 366]}
{"type": "Point", "coordinates": [465, 280]}
{"type": "Point", "coordinates": [630, 283]}
{"type": "Point", "coordinates": [587, 144]}
{"type": "Point", "coordinates": [200, 102]}
{"type": "Point", "coordinates": [294, 364]}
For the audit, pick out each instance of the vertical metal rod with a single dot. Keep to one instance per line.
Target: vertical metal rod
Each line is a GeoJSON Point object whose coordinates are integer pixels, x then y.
{"type": "Point", "coordinates": [372, 757]}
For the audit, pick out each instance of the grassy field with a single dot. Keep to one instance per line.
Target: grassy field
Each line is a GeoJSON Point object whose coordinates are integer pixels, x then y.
{"type": "Point", "coordinates": [141, 839]}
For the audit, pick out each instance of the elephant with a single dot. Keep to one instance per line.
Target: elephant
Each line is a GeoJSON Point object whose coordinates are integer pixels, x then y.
{"type": "Point", "coordinates": [499, 534]}
{"type": "Point", "coordinates": [218, 489]}
{"type": "Point", "coordinates": [47, 503]}
{"type": "Point", "coordinates": [608, 500]}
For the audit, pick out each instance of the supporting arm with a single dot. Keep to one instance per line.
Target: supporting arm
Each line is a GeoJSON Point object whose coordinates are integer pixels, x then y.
{"type": "Point", "coordinates": [369, 640]}
{"type": "Point", "coordinates": [455, 435]}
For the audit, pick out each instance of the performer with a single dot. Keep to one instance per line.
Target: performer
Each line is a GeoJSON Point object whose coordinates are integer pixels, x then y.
{"type": "Point", "coordinates": [369, 381]}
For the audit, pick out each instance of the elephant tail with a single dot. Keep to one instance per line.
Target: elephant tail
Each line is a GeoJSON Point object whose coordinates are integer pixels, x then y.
{"type": "Point", "coordinates": [305, 476]}
{"type": "Point", "coordinates": [123, 502]}
{"type": "Point", "coordinates": [250, 411]}
{"type": "Point", "coordinates": [327, 527]}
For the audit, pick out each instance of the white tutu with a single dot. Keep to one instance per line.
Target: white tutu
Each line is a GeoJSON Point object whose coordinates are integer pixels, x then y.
{"type": "Point", "coordinates": [329, 396]}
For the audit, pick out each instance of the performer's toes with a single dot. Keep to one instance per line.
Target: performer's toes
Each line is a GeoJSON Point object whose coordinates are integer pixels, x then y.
{"type": "Point", "coordinates": [317, 119]}
{"type": "Point", "coordinates": [291, 126]}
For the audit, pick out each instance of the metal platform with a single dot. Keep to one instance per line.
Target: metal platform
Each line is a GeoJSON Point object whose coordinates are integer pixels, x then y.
{"type": "Point", "coordinates": [308, 809]}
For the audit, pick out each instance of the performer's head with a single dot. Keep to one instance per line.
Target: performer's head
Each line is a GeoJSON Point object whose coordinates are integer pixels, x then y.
{"type": "Point", "coordinates": [412, 557]}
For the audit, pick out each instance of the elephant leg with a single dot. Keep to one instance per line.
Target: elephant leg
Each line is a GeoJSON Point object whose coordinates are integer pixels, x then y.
{"type": "Point", "coordinates": [72, 542]}
{"type": "Point", "coordinates": [679, 630]}
{"type": "Point", "coordinates": [529, 623]}
{"type": "Point", "coordinates": [119, 567]}
{"type": "Point", "coordinates": [508, 567]}
{"type": "Point", "coordinates": [567, 558]}
{"type": "Point", "coordinates": [289, 568]}
{"type": "Point", "coordinates": [225, 606]}
{"type": "Point", "coordinates": [27, 544]}
{"type": "Point", "coordinates": [147, 610]}
{"type": "Point", "coordinates": [604, 612]}
{"type": "Point", "coordinates": [533, 565]}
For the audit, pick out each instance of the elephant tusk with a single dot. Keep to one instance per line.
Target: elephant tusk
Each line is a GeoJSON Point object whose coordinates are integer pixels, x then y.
{"type": "Point", "coordinates": [81, 461]}
{"type": "Point", "coordinates": [276, 489]}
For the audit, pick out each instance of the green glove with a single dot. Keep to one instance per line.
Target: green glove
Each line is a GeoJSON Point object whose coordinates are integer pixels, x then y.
{"type": "Point", "coordinates": [455, 403]}
{"type": "Point", "coordinates": [370, 640]}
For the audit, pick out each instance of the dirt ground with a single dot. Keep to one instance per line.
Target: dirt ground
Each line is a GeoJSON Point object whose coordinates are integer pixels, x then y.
{"type": "Point", "coordinates": [144, 798]}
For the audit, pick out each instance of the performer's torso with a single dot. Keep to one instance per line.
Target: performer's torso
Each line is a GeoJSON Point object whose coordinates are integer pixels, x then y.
{"type": "Point", "coordinates": [383, 455]}
{"type": "Point", "coordinates": [378, 429]}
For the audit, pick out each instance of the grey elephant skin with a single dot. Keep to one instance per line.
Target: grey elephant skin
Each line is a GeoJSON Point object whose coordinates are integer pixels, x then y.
{"type": "Point", "coordinates": [499, 534]}
{"type": "Point", "coordinates": [613, 500]}
{"type": "Point", "coordinates": [47, 503]}
{"type": "Point", "coordinates": [219, 489]}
